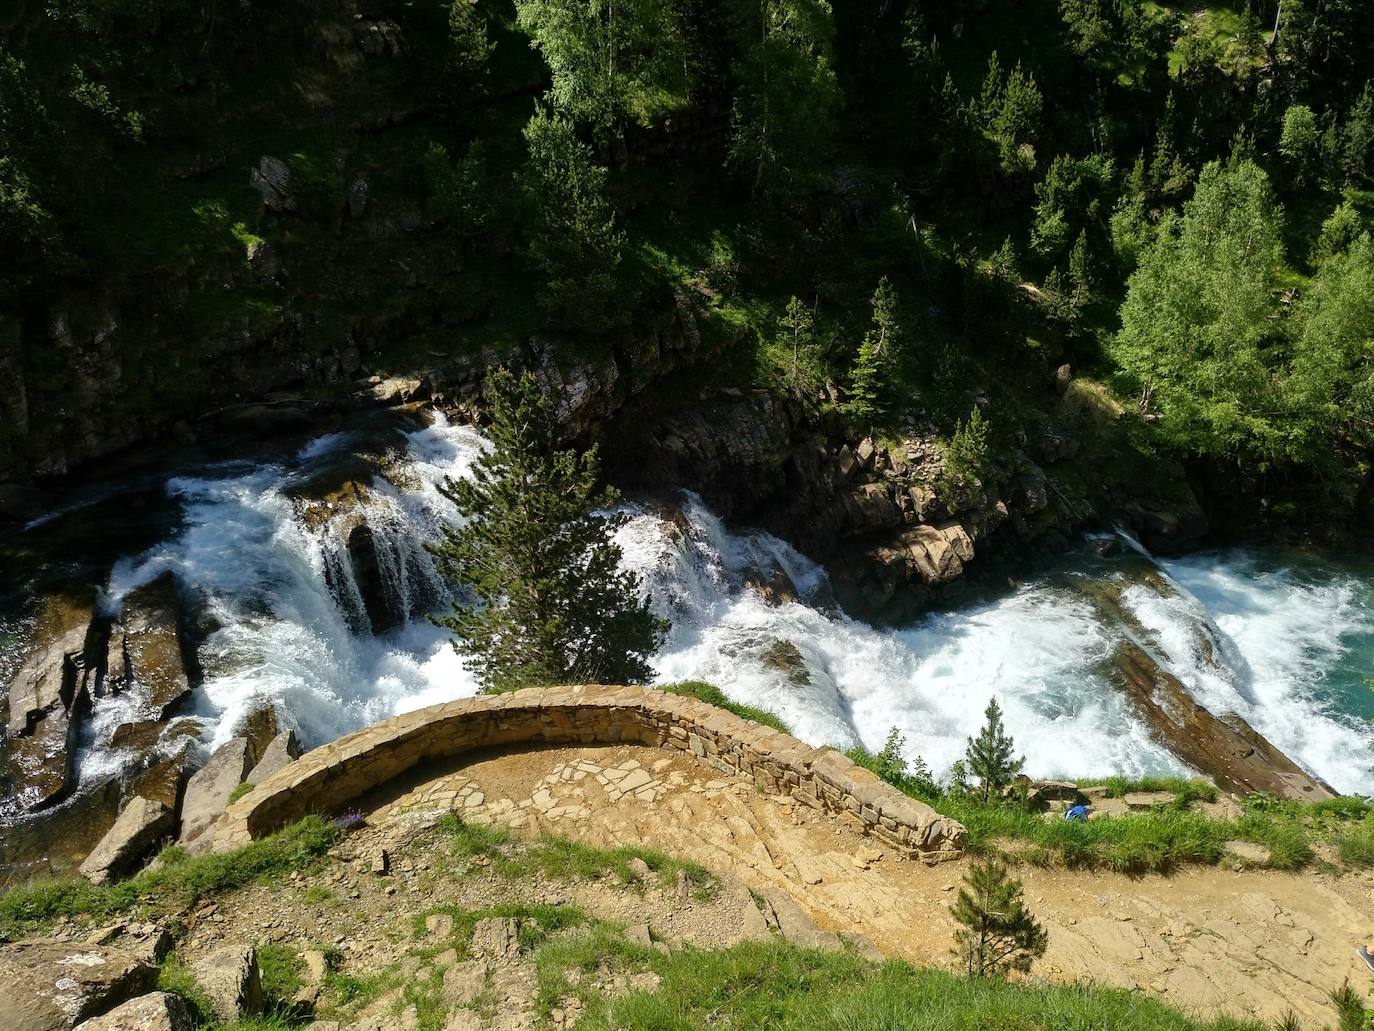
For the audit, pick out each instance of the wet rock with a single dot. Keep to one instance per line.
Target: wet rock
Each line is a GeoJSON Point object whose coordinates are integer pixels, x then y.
{"type": "Point", "coordinates": [381, 38]}
{"type": "Point", "coordinates": [208, 791]}
{"type": "Point", "coordinates": [397, 390]}
{"type": "Point", "coordinates": [272, 179]}
{"type": "Point", "coordinates": [283, 750]}
{"type": "Point", "coordinates": [145, 650]}
{"type": "Point", "coordinates": [784, 657]}
{"type": "Point", "coordinates": [1168, 526]}
{"type": "Point", "coordinates": [141, 825]}
{"type": "Point", "coordinates": [230, 980]}
{"type": "Point", "coordinates": [53, 986]}
{"type": "Point", "coordinates": [775, 586]}
{"type": "Point", "coordinates": [21, 504]}
{"type": "Point", "coordinates": [157, 1011]}
{"type": "Point", "coordinates": [48, 699]}
{"type": "Point", "coordinates": [382, 615]}
{"type": "Point", "coordinates": [260, 729]}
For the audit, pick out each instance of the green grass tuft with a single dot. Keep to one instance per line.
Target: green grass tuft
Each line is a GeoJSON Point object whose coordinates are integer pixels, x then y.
{"type": "Point", "coordinates": [181, 880]}
{"type": "Point", "coordinates": [712, 695]}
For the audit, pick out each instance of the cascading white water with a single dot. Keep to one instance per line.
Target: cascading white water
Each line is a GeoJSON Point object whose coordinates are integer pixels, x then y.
{"type": "Point", "coordinates": [291, 630]}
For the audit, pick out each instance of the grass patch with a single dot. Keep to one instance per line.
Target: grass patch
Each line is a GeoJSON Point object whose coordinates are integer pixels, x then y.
{"type": "Point", "coordinates": [1356, 847]}
{"type": "Point", "coordinates": [781, 987]}
{"type": "Point", "coordinates": [712, 695]}
{"type": "Point", "coordinates": [1187, 789]}
{"type": "Point", "coordinates": [1154, 841]}
{"type": "Point", "coordinates": [559, 857]}
{"type": "Point", "coordinates": [537, 922]}
{"type": "Point", "coordinates": [181, 880]}
{"type": "Point", "coordinates": [239, 792]}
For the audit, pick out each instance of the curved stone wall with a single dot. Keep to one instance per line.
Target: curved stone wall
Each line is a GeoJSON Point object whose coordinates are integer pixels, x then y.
{"type": "Point", "coordinates": [327, 779]}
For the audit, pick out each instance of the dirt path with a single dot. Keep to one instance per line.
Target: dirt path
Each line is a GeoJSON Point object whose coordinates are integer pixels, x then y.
{"type": "Point", "coordinates": [1207, 939]}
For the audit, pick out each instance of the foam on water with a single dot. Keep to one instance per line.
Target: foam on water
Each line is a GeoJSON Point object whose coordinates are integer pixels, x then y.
{"type": "Point", "coordinates": [292, 631]}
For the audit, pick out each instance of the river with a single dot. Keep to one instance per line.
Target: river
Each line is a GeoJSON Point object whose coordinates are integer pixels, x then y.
{"type": "Point", "coordinates": [1284, 638]}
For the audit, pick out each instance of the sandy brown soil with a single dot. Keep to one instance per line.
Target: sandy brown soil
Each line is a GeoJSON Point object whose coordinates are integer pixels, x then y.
{"type": "Point", "coordinates": [1206, 938]}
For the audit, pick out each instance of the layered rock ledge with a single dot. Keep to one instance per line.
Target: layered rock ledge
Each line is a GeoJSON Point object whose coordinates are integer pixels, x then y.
{"type": "Point", "coordinates": [327, 779]}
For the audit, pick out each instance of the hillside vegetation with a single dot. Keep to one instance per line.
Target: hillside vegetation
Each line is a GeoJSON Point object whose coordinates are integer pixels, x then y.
{"type": "Point", "coordinates": [903, 208]}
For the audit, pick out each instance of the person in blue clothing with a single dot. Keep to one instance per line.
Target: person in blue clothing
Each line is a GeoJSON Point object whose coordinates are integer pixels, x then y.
{"type": "Point", "coordinates": [1078, 813]}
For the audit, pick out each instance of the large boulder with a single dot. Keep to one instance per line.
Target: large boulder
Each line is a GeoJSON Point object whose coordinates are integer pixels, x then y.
{"type": "Point", "coordinates": [272, 180]}
{"type": "Point", "coordinates": [230, 980]}
{"type": "Point", "coordinates": [283, 750]}
{"type": "Point", "coordinates": [141, 825]}
{"type": "Point", "coordinates": [47, 698]}
{"type": "Point", "coordinates": [157, 1011]}
{"type": "Point", "coordinates": [54, 986]}
{"type": "Point", "coordinates": [208, 791]}
{"type": "Point", "coordinates": [145, 649]}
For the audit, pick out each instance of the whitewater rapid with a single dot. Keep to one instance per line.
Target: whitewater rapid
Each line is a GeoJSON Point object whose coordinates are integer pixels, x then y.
{"type": "Point", "coordinates": [285, 613]}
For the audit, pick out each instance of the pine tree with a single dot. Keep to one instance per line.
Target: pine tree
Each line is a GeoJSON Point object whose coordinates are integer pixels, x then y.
{"type": "Point", "coordinates": [552, 603]}
{"type": "Point", "coordinates": [989, 756]}
{"type": "Point", "coordinates": [1359, 136]}
{"type": "Point", "coordinates": [886, 324]}
{"type": "Point", "coordinates": [796, 322]}
{"type": "Point", "coordinates": [998, 934]}
{"type": "Point", "coordinates": [862, 402]}
{"type": "Point", "coordinates": [573, 237]}
{"type": "Point", "coordinates": [1080, 271]}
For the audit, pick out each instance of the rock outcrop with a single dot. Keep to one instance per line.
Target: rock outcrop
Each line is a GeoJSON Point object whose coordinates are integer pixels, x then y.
{"type": "Point", "coordinates": [280, 751]}
{"type": "Point", "coordinates": [141, 825]}
{"type": "Point", "coordinates": [208, 791]}
{"type": "Point", "coordinates": [54, 986]}
{"type": "Point", "coordinates": [231, 982]}
{"type": "Point", "coordinates": [48, 698]}
{"type": "Point", "coordinates": [156, 1011]}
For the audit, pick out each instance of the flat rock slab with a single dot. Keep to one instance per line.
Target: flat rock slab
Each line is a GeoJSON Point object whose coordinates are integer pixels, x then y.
{"type": "Point", "coordinates": [158, 1011]}
{"type": "Point", "coordinates": [139, 827]}
{"type": "Point", "coordinates": [230, 980]}
{"type": "Point", "coordinates": [208, 791]}
{"type": "Point", "coordinates": [54, 986]}
{"type": "Point", "coordinates": [280, 752]}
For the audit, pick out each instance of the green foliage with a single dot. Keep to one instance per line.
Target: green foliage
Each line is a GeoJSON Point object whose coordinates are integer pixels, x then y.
{"type": "Point", "coordinates": [797, 342]}
{"type": "Point", "coordinates": [458, 192]}
{"type": "Point", "coordinates": [1330, 382]}
{"type": "Point", "coordinates": [712, 695]}
{"type": "Point", "coordinates": [991, 755]}
{"type": "Point", "coordinates": [1012, 107]}
{"type": "Point", "coordinates": [572, 239]}
{"type": "Point", "coordinates": [783, 118]}
{"type": "Point", "coordinates": [868, 376]}
{"type": "Point", "coordinates": [551, 603]}
{"type": "Point", "coordinates": [998, 935]}
{"type": "Point", "coordinates": [1071, 197]}
{"type": "Point", "coordinates": [968, 456]}
{"type": "Point", "coordinates": [471, 45]}
{"type": "Point", "coordinates": [1358, 146]}
{"type": "Point", "coordinates": [1195, 324]}
{"type": "Point", "coordinates": [182, 881]}
{"type": "Point", "coordinates": [1299, 141]}
{"type": "Point", "coordinates": [239, 792]}
{"type": "Point", "coordinates": [610, 59]}
{"type": "Point", "coordinates": [891, 765]}
{"type": "Point", "coordinates": [1338, 232]}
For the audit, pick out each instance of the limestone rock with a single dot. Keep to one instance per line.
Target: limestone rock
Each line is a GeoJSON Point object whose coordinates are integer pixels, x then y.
{"type": "Point", "coordinates": [157, 1011]}
{"type": "Point", "coordinates": [208, 791]}
{"type": "Point", "coordinates": [464, 982]}
{"type": "Point", "coordinates": [52, 986]}
{"type": "Point", "coordinates": [316, 966]}
{"type": "Point", "coordinates": [139, 827]}
{"type": "Point", "coordinates": [1248, 852]}
{"type": "Point", "coordinates": [496, 937]}
{"type": "Point", "coordinates": [145, 653]}
{"type": "Point", "coordinates": [283, 750]}
{"type": "Point", "coordinates": [231, 982]}
{"type": "Point", "coordinates": [272, 179]}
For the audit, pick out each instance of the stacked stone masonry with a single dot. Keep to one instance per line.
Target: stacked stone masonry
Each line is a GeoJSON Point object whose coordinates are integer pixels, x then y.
{"type": "Point", "coordinates": [328, 778]}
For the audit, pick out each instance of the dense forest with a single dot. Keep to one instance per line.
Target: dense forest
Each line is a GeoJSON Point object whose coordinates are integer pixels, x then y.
{"type": "Point", "coordinates": [903, 209]}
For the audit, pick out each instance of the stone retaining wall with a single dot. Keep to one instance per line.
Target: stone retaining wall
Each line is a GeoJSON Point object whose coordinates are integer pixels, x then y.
{"type": "Point", "coordinates": [327, 779]}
